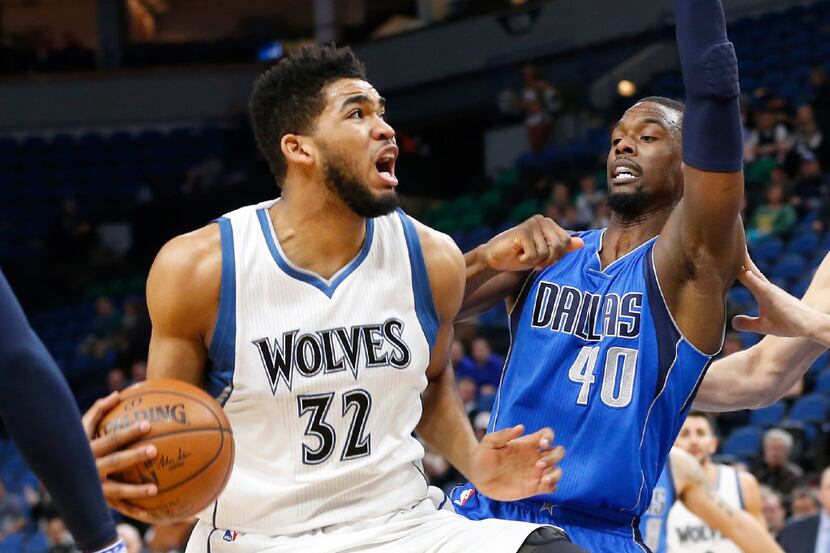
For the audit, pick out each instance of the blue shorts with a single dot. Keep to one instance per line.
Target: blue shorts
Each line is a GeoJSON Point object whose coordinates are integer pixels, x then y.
{"type": "Point", "coordinates": [597, 535]}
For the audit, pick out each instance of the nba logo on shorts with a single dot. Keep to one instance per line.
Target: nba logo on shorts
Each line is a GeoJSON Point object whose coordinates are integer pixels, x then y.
{"type": "Point", "coordinates": [230, 535]}
{"type": "Point", "coordinates": [465, 496]}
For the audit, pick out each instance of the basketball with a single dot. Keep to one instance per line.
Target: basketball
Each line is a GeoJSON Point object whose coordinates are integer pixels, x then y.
{"type": "Point", "coordinates": [194, 441]}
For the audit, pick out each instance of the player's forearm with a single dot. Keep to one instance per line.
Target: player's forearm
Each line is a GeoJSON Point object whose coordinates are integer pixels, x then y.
{"type": "Point", "coordinates": [444, 425]}
{"type": "Point", "coordinates": [750, 536]}
{"type": "Point", "coordinates": [819, 329]}
{"type": "Point", "coordinates": [758, 376]}
{"type": "Point", "coordinates": [712, 130]}
{"type": "Point", "coordinates": [49, 438]}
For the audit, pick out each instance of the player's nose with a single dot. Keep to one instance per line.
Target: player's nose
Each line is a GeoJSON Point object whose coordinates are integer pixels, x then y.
{"type": "Point", "coordinates": [625, 146]}
{"type": "Point", "coordinates": [383, 130]}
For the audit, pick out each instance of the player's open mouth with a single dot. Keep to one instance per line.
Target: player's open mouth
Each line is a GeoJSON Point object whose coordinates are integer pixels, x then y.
{"type": "Point", "coordinates": [625, 173]}
{"type": "Point", "coordinates": [385, 166]}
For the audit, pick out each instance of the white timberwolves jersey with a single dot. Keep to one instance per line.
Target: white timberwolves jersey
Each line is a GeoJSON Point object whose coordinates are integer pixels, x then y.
{"type": "Point", "coordinates": [321, 380]}
{"type": "Point", "coordinates": [689, 534]}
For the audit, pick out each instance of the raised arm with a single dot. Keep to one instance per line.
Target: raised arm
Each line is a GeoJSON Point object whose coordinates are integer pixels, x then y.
{"type": "Point", "coordinates": [701, 247]}
{"type": "Point", "coordinates": [495, 271]}
{"type": "Point", "coordinates": [762, 374]}
{"type": "Point", "coordinates": [504, 465]}
{"type": "Point", "coordinates": [701, 499]}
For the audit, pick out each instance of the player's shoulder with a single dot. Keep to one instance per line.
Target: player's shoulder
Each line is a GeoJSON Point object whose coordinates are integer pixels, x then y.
{"type": "Point", "coordinates": [440, 251]}
{"type": "Point", "coordinates": [191, 261]}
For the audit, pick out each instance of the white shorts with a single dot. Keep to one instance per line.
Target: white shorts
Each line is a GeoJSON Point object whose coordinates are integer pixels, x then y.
{"type": "Point", "coordinates": [421, 529]}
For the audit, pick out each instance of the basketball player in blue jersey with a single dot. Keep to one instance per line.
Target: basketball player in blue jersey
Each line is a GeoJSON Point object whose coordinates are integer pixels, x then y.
{"type": "Point", "coordinates": [739, 489]}
{"type": "Point", "coordinates": [327, 319]}
{"type": "Point", "coordinates": [684, 483]}
{"type": "Point", "coordinates": [42, 418]}
{"type": "Point", "coordinates": [610, 344]}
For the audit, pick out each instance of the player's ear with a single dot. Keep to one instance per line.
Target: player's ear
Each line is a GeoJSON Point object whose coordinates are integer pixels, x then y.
{"type": "Point", "coordinates": [297, 149]}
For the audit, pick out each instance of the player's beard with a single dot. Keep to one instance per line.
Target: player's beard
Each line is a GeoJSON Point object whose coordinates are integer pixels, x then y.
{"type": "Point", "coordinates": [341, 180]}
{"type": "Point", "coordinates": [629, 205]}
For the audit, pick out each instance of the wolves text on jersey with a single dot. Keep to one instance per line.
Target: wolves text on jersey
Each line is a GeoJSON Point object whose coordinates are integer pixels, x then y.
{"type": "Point", "coordinates": [586, 315]}
{"type": "Point", "coordinates": [333, 350]}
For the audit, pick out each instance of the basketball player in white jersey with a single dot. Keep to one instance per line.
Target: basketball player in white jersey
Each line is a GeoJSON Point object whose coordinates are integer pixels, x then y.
{"type": "Point", "coordinates": [740, 490]}
{"type": "Point", "coordinates": [327, 319]}
{"type": "Point", "coordinates": [684, 483]}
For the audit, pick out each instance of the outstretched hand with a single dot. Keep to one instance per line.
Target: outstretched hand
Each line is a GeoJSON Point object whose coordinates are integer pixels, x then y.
{"type": "Point", "coordinates": [507, 466]}
{"type": "Point", "coordinates": [111, 457]}
{"type": "Point", "coordinates": [534, 244]}
{"type": "Point", "coordinates": [779, 313]}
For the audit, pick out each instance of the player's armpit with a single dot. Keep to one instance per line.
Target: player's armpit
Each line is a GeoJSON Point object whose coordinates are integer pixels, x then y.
{"type": "Point", "coordinates": [183, 297]}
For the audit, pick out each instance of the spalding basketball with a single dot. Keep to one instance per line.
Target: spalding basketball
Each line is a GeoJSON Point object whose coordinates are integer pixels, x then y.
{"type": "Point", "coordinates": [194, 442]}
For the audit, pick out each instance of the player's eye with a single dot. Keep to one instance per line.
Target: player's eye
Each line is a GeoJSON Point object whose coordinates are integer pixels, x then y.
{"type": "Point", "coordinates": [615, 141]}
{"type": "Point", "coordinates": [382, 115]}
{"type": "Point", "coordinates": [648, 139]}
{"type": "Point", "coordinates": [356, 114]}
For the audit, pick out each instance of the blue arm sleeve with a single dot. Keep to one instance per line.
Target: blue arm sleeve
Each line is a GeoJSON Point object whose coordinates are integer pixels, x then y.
{"type": "Point", "coordinates": [712, 131]}
{"type": "Point", "coordinates": [41, 416]}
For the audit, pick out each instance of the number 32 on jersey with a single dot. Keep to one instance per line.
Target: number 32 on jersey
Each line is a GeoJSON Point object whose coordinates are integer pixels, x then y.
{"type": "Point", "coordinates": [619, 368]}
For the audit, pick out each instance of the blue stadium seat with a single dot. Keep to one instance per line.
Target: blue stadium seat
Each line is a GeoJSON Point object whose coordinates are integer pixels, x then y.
{"type": "Point", "coordinates": [768, 417]}
{"type": "Point", "coordinates": [821, 363]}
{"type": "Point", "coordinates": [12, 544]}
{"type": "Point", "coordinates": [767, 249]}
{"type": "Point", "coordinates": [811, 408]}
{"type": "Point", "coordinates": [803, 243]}
{"type": "Point", "coordinates": [744, 442]}
{"type": "Point", "coordinates": [749, 339]}
{"type": "Point", "coordinates": [37, 543]}
{"type": "Point", "coordinates": [740, 297]}
{"type": "Point", "coordinates": [789, 267]}
{"type": "Point", "coordinates": [822, 385]}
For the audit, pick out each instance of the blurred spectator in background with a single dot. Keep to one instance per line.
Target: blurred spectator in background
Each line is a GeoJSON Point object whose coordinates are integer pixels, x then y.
{"type": "Point", "coordinates": [732, 343]}
{"type": "Point", "coordinates": [12, 517]}
{"type": "Point", "coordinates": [808, 140]}
{"type": "Point", "coordinates": [769, 140]}
{"type": "Point", "coordinates": [558, 202]}
{"type": "Point", "coordinates": [810, 188]}
{"type": "Point", "coordinates": [481, 421]}
{"type": "Point", "coordinates": [589, 200]}
{"type": "Point", "coordinates": [58, 537]}
{"type": "Point", "coordinates": [772, 506]}
{"type": "Point", "coordinates": [131, 536]}
{"type": "Point", "coordinates": [540, 101]}
{"type": "Point", "coordinates": [773, 218]}
{"type": "Point", "coordinates": [776, 470]}
{"type": "Point", "coordinates": [116, 380]}
{"type": "Point", "coordinates": [483, 366]}
{"type": "Point", "coordinates": [804, 503]}
{"type": "Point", "coordinates": [437, 468]}
{"type": "Point", "coordinates": [810, 534]}
{"type": "Point", "coordinates": [457, 354]}
{"type": "Point", "coordinates": [468, 390]}
{"type": "Point", "coordinates": [138, 371]}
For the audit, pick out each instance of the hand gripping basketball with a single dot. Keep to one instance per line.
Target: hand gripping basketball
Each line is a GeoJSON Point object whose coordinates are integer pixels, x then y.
{"type": "Point", "coordinates": [179, 449]}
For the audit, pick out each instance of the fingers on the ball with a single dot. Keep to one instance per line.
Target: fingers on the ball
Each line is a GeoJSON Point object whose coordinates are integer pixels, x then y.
{"type": "Point", "coordinates": [121, 460]}
{"type": "Point", "coordinates": [119, 438]}
{"type": "Point", "coordinates": [101, 406]}
{"type": "Point", "coordinates": [114, 491]}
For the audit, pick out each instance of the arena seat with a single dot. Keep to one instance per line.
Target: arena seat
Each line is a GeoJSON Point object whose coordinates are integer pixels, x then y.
{"type": "Point", "coordinates": [744, 442]}
{"type": "Point", "coordinates": [769, 416]}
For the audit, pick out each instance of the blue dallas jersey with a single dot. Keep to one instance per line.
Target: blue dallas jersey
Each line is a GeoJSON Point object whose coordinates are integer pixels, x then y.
{"type": "Point", "coordinates": [653, 525]}
{"type": "Point", "coordinates": [595, 355]}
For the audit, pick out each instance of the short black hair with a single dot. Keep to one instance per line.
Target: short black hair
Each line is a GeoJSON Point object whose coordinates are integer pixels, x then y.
{"type": "Point", "coordinates": [288, 97]}
{"type": "Point", "coordinates": [713, 424]}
